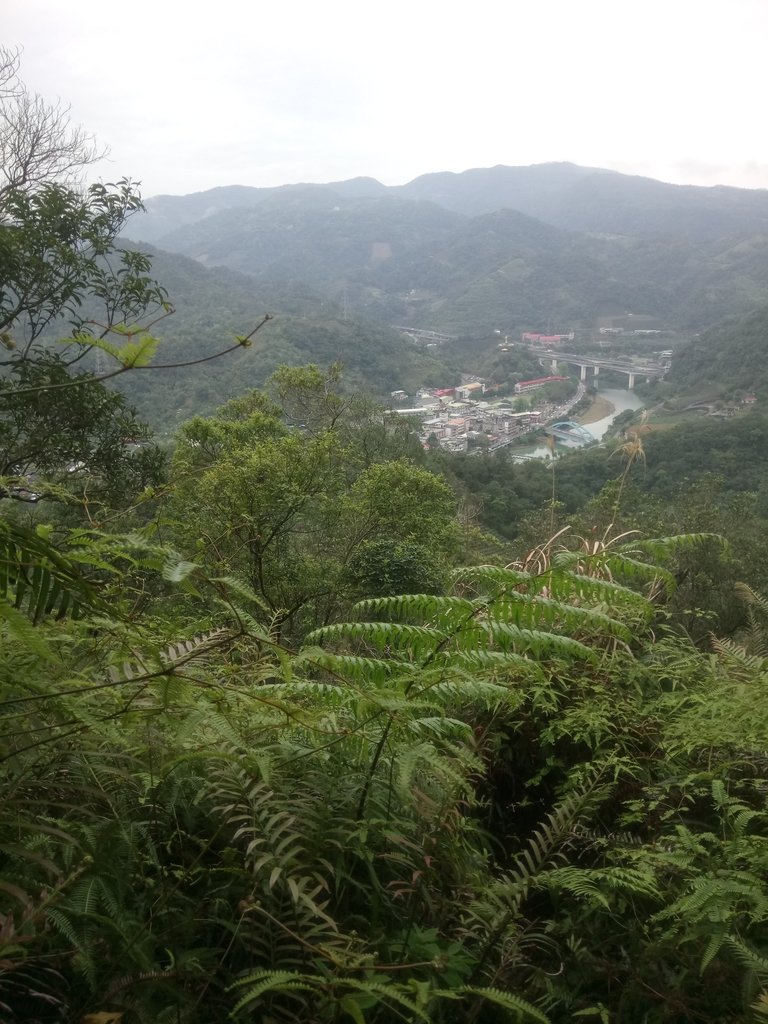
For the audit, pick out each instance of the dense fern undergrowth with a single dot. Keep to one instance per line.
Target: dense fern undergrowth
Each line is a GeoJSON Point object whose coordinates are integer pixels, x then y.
{"type": "Point", "coordinates": [527, 797]}
{"type": "Point", "coordinates": [286, 737]}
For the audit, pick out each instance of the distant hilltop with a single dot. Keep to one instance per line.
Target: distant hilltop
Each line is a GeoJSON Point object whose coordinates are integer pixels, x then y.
{"type": "Point", "coordinates": [564, 195]}
{"type": "Point", "coordinates": [545, 249]}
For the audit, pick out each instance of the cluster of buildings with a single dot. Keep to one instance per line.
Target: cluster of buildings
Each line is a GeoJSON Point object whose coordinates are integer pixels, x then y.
{"type": "Point", "coordinates": [457, 416]}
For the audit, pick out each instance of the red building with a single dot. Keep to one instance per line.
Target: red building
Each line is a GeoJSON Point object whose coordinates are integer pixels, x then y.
{"type": "Point", "coordinates": [538, 382]}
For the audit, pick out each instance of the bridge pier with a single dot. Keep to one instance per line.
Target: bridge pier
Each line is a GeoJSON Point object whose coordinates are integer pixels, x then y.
{"type": "Point", "coordinates": [655, 371]}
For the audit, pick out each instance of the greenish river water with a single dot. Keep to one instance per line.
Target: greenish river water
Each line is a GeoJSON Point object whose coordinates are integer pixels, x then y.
{"type": "Point", "coordinates": [620, 399]}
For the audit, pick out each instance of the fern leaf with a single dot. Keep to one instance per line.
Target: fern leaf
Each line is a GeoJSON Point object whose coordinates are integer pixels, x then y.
{"type": "Point", "coordinates": [522, 1009]}
{"type": "Point", "coordinates": [713, 948]}
{"type": "Point", "coordinates": [271, 981]}
{"type": "Point", "coordinates": [397, 636]}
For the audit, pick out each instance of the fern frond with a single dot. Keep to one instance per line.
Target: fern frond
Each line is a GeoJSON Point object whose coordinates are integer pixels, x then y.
{"type": "Point", "coordinates": [714, 946]}
{"type": "Point", "coordinates": [536, 612]}
{"type": "Point", "coordinates": [386, 992]}
{"type": "Point", "coordinates": [747, 956]}
{"type": "Point", "coordinates": [593, 883]}
{"type": "Point", "coordinates": [37, 579]}
{"type": "Point", "coordinates": [491, 579]}
{"type": "Point", "coordinates": [568, 586]}
{"type": "Point", "coordinates": [537, 642]}
{"type": "Point", "coordinates": [375, 671]}
{"type": "Point", "coordinates": [522, 1009]}
{"type": "Point", "coordinates": [660, 548]}
{"type": "Point", "coordinates": [750, 596]}
{"type": "Point", "coordinates": [398, 636]}
{"type": "Point", "coordinates": [271, 981]}
{"type": "Point", "coordinates": [623, 565]}
{"type": "Point", "coordinates": [442, 610]}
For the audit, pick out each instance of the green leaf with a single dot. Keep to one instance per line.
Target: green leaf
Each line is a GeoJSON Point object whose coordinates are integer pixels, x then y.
{"type": "Point", "coordinates": [351, 1005]}
{"type": "Point", "coordinates": [522, 1009]}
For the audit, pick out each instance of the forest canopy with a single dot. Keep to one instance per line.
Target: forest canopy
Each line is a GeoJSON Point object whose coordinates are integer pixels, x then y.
{"type": "Point", "coordinates": [291, 733]}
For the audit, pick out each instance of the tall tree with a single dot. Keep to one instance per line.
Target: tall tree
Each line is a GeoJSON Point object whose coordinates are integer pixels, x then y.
{"type": "Point", "coordinates": [61, 266]}
{"type": "Point", "coordinates": [308, 515]}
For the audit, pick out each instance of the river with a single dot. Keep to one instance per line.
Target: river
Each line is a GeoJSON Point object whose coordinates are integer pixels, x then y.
{"type": "Point", "coordinates": [620, 399]}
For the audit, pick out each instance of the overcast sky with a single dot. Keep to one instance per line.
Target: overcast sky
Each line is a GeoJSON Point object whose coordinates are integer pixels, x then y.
{"type": "Point", "coordinates": [189, 95]}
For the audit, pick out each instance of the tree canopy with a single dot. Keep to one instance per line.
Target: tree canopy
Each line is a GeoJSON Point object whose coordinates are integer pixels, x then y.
{"type": "Point", "coordinates": [278, 749]}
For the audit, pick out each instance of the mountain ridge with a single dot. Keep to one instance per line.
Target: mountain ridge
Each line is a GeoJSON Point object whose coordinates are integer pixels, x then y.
{"type": "Point", "coordinates": [562, 194]}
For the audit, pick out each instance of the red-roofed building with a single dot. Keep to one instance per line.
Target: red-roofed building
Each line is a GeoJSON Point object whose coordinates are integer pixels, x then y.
{"type": "Point", "coordinates": [546, 339]}
{"type": "Point", "coordinates": [538, 382]}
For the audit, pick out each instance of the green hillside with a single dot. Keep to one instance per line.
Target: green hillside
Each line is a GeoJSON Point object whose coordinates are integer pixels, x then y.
{"type": "Point", "coordinates": [728, 358]}
{"type": "Point", "coordinates": [596, 200]}
{"type": "Point", "coordinates": [214, 306]}
{"type": "Point", "coordinates": [287, 737]}
{"type": "Point", "coordinates": [393, 259]}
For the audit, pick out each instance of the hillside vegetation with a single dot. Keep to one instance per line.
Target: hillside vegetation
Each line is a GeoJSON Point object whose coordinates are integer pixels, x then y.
{"type": "Point", "coordinates": [303, 723]}
{"type": "Point", "coordinates": [515, 248]}
{"type": "Point", "coordinates": [729, 358]}
{"type": "Point", "coordinates": [213, 306]}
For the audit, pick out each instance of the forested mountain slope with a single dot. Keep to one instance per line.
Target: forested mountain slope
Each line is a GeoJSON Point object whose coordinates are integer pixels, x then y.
{"type": "Point", "coordinates": [731, 356]}
{"type": "Point", "coordinates": [599, 201]}
{"type": "Point", "coordinates": [214, 306]}
{"type": "Point", "coordinates": [588, 244]}
{"type": "Point", "coordinates": [287, 738]}
{"type": "Point", "coordinates": [313, 235]}
{"type": "Point", "coordinates": [562, 194]}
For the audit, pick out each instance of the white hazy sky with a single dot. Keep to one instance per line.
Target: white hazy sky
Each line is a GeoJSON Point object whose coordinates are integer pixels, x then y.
{"type": "Point", "coordinates": [188, 95]}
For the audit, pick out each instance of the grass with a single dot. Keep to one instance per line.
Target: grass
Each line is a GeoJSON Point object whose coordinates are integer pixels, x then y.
{"type": "Point", "coordinates": [598, 410]}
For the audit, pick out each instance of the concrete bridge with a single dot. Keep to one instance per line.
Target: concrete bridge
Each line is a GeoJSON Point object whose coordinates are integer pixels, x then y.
{"type": "Point", "coordinates": [570, 433]}
{"type": "Point", "coordinates": [645, 370]}
{"type": "Point", "coordinates": [427, 336]}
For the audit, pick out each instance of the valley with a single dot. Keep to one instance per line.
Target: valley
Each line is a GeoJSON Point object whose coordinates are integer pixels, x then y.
{"type": "Point", "coordinates": [403, 657]}
{"type": "Point", "coordinates": [383, 563]}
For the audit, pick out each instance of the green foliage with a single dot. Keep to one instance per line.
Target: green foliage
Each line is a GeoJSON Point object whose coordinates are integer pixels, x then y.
{"type": "Point", "coordinates": [728, 359]}
{"type": "Point", "coordinates": [37, 579]}
{"type": "Point", "coordinates": [71, 443]}
{"type": "Point", "coordinates": [299, 512]}
{"type": "Point", "coordinates": [385, 567]}
{"type": "Point", "coordinates": [300, 767]}
{"type": "Point", "coordinates": [58, 247]}
{"type": "Point", "coordinates": [61, 434]}
{"type": "Point", "coordinates": [519, 798]}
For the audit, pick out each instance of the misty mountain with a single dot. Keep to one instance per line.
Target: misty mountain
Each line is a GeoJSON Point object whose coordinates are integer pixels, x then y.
{"type": "Point", "coordinates": [549, 247]}
{"type": "Point", "coordinates": [406, 261]}
{"type": "Point", "coordinates": [165, 214]}
{"type": "Point", "coordinates": [316, 236]}
{"type": "Point", "coordinates": [563, 195]}
{"type": "Point", "coordinates": [598, 201]}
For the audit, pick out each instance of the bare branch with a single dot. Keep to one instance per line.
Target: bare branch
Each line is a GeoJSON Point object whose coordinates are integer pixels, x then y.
{"type": "Point", "coordinates": [39, 143]}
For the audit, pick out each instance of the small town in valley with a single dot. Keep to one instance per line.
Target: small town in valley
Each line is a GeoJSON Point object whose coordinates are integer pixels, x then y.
{"type": "Point", "coordinates": [473, 416]}
{"type": "Point", "coordinates": [466, 416]}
